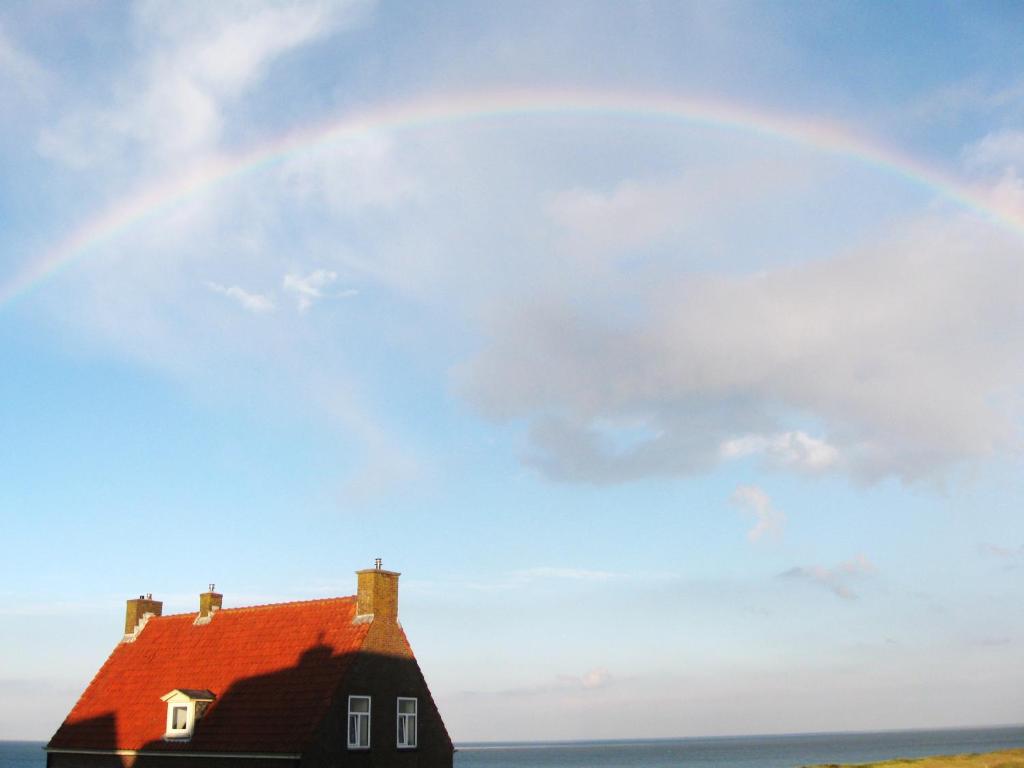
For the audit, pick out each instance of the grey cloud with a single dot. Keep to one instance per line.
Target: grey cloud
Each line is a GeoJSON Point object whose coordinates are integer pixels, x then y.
{"type": "Point", "coordinates": [992, 641]}
{"type": "Point", "coordinates": [595, 679]}
{"type": "Point", "coordinates": [906, 353]}
{"type": "Point", "coordinates": [836, 579]}
{"type": "Point", "coordinates": [1003, 551]}
{"type": "Point", "coordinates": [1011, 556]}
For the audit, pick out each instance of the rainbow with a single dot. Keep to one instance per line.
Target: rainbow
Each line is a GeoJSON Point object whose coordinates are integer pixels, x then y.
{"type": "Point", "coordinates": [815, 134]}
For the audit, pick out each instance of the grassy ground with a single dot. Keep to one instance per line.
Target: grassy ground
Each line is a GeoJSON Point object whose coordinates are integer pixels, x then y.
{"type": "Point", "coordinates": [1010, 758]}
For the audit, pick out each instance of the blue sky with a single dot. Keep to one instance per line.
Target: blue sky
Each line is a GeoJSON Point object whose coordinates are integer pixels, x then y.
{"type": "Point", "coordinates": [673, 427]}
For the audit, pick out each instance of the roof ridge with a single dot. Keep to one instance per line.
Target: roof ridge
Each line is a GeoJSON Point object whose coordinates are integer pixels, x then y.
{"type": "Point", "coordinates": [260, 606]}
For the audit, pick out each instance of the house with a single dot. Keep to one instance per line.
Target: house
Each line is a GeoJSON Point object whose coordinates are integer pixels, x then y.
{"type": "Point", "coordinates": [315, 683]}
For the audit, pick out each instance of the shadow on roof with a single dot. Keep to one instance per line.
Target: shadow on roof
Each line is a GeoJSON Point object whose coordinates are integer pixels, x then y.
{"type": "Point", "coordinates": [297, 710]}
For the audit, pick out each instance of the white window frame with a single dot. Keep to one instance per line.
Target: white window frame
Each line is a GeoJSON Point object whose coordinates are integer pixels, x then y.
{"type": "Point", "coordinates": [190, 717]}
{"type": "Point", "coordinates": [414, 716]}
{"type": "Point", "coordinates": [360, 716]}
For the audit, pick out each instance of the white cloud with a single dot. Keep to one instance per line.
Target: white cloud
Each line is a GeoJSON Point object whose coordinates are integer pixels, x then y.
{"type": "Point", "coordinates": [630, 216]}
{"type": "Point", "coordinates": [998, 150]}
{"type": "Point", "coordinates": [969, 98]}
{"type": "Point", "coordinates": [546, 575]}
{"type": "Point", "coordinates": [310, 288]}
{"type": "Point", "coordinates": [769, 521]}
{"type": "Point", "coordinates": [253, 302]}
{"type": "Point", "coordinates": [20, 73]}
{"type": "Point", "coordinates": [572, 574]}
{"type": "Point", "coordinates": [640, 214]}
{"type": "Point", "coordinates": [350, 176]}
{"type": "Point", "coordinates": [563, 684]}
{"type": "Point", "coordinates": [191, 65]}
{"type": "Point", "coordinates": [788, 450]}
{"type": "Point", "coordinates": [836, 579]}
{"type": "Point", "coordinates": [596, 678]}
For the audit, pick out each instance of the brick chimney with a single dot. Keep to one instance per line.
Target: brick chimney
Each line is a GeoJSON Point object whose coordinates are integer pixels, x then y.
{"type": "Point", "coordinates": [138, 609]}
{"type": "Point", "coordinates": [378, 593]}
{"type": "Point", "coordinates": [209, 602]}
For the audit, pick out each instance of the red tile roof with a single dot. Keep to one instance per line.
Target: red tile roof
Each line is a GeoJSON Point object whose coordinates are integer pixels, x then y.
{"type": "Point", "coordinates": [273, 668]}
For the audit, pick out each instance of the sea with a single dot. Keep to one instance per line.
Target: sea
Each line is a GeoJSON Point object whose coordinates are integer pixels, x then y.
{"type": "Point", "coordinates": [786, 751]}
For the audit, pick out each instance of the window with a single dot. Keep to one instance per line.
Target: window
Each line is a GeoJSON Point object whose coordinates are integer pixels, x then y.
{"type": "Point", "coordinates": [358, 722]}
{"type": "Point", "coordinates": [406, 723]}
{"type": "Point", "coordinates": [179, 718]}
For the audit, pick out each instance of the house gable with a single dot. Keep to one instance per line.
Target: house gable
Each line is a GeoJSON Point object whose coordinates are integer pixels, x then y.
{"type": "Point", "coordinates": [386, 670]}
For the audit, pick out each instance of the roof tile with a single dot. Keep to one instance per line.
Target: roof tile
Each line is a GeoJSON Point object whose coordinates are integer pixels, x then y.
{"type": "Point", "coordinates": [254, 659]}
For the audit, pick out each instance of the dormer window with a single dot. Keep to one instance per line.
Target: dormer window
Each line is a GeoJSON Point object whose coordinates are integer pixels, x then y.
{"type": "Point", "coordinates": [185, 706]}
{"type": "Point", "coordinates": [179, 719]}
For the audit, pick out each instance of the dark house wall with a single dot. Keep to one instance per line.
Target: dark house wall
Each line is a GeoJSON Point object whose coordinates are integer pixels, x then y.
{"type": "Point", "coordinates": [61, 760]}
{"type": "Point", "coordinates": [384, 679]}
{"type": "Point", "coordinates": [385, 671]}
